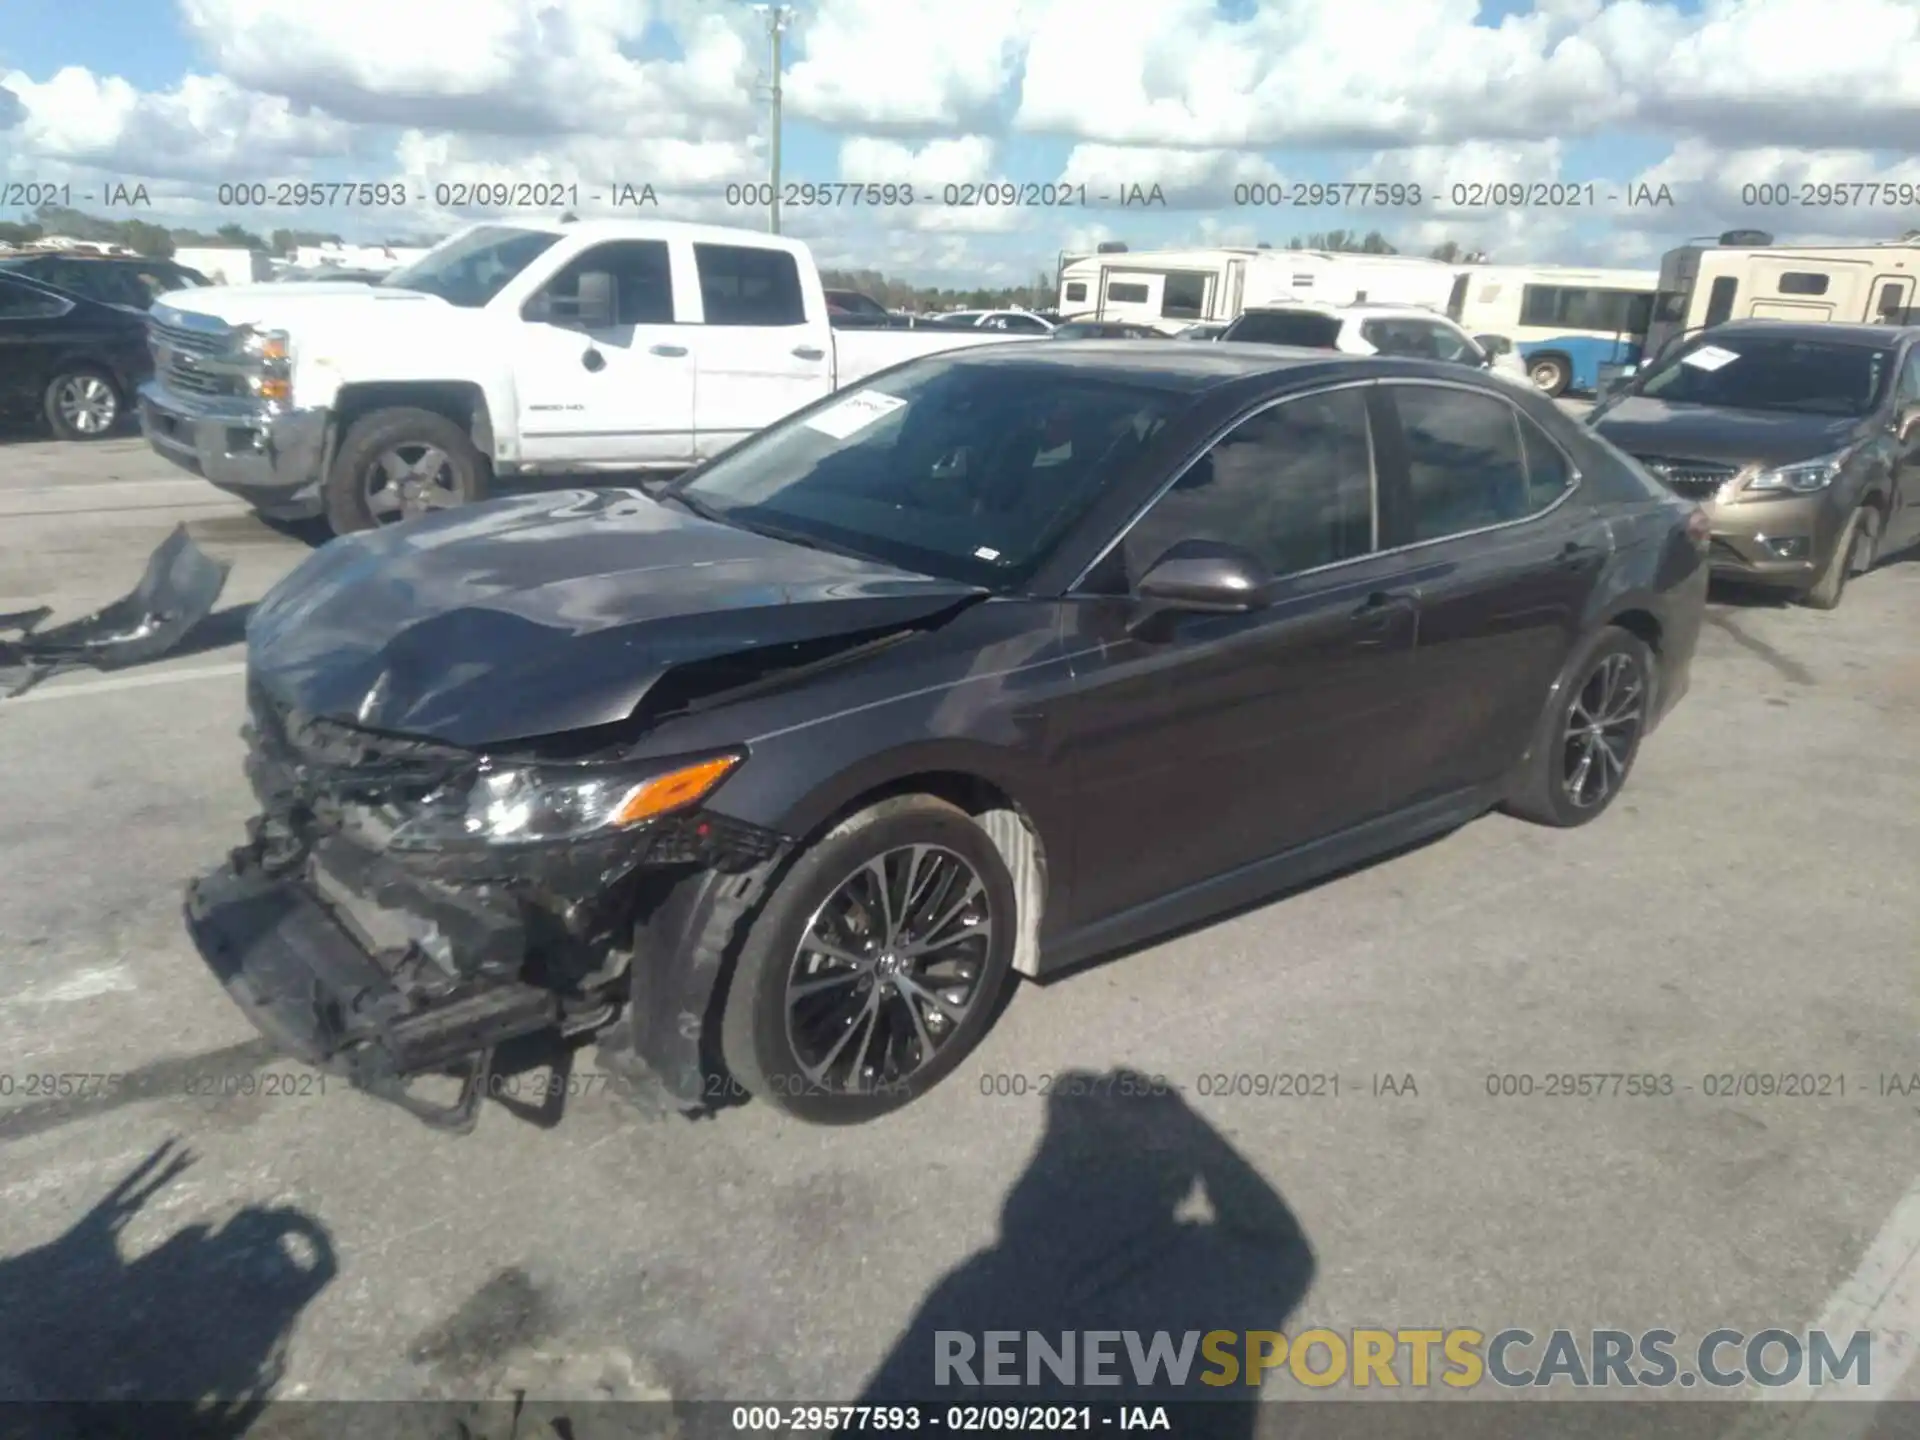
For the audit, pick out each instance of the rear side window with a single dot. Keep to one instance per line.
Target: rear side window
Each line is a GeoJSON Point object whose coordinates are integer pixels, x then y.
{"type": "Point", "coordinates": [1304, 329]}
{"type": "Point", "coordinates": [1465, 464]}
{"type": "Point", "coordinates": [747, 285]}
{"type": "Point", "coordinates": [1549, 476]}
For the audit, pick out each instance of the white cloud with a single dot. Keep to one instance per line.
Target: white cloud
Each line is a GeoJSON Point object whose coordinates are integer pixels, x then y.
{"type": "Point", "coordinates": [1186, 179]}
{"type": "Point", "coordinates": [528, 67]}
{"type": "Point", "coordinates": [205, 128]}
{"type": "Point", "coordinates": [906, 65]}
{"type": "Point", "coordinates": [866, 160]}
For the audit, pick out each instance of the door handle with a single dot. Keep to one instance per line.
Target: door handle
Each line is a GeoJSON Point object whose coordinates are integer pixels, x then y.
{"type": "Point", "coordinates": [593, 359]}
{"type": "Point", "coordinates": [1575, 556]}
{"type": "Point", "coordinates": [809, 352]}
{"type": "Point", "coordinates": [672, 352]}
{"type": "Point", "coordinates": [1373, 618]}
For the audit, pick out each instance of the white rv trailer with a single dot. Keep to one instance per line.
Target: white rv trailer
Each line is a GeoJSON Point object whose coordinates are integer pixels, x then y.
{"type": "Point", "coordinates": [1747, 276]}
{"type": "Point", "coordinates": [1171, 289]}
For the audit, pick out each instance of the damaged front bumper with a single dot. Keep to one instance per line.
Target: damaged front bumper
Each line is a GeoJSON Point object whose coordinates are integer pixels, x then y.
{"type": "Point", "coordinates": [385, 967]}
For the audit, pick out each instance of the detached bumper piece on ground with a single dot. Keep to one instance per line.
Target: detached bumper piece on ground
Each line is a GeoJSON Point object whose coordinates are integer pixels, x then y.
{"type": "Point", "coordinates": [178, 591]}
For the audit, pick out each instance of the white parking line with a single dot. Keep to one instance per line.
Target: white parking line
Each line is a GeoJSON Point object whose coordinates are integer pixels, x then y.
{"type": "Point", "coordinates": [81, 985]}
{"type": "Point", "coordinates": [128, 682]}
{"type": "Point", "coordinates": [1882, 1296]}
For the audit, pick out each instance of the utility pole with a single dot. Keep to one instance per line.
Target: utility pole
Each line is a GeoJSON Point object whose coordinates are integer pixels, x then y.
{"type": "Point", "coordinates": [777, 18]}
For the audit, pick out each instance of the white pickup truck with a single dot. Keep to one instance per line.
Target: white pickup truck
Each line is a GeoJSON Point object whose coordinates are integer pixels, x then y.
{"type": "Point", "coordinates": [510, 348]}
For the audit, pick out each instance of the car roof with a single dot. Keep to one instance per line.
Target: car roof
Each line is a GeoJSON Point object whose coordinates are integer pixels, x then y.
{"type": "Point", "coordinates": [1172, 365]}
{"type": "Point", "coordinates": [1878, 337]}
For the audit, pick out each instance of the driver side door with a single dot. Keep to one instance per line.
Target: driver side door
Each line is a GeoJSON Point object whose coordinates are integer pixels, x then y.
{"type": "Point", "coordinates": [615, 388]}
{"type": "Point", "coordinates": [1206, 743]}
{"type": "Point", "coordinates": [1903, 519]}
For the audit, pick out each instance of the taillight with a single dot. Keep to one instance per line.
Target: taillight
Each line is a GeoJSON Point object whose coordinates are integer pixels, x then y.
{"type": "Point", "coordinates": [1699, 529]}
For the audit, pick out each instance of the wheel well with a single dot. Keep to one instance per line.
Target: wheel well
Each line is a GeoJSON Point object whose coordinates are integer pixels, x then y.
{"type": "Point", "coordinates": [1007, 824]}
{"type": "Point", "coordinates": [1641, 625]}
{"type": "Point", "coordinates": [1560, 355]}
{"type": "Point", "coordinates": [460, 401]}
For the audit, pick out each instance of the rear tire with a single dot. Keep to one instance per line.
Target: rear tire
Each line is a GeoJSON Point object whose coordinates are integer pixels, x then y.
{"type": "Point", "coordinates": [1550, 374]}
{"type": "Point", "coordinates": [83, 402]}
{"type": "Point", "coordinates": [796, 1013]}
{"type": "Point", "coordinates": [1852, 551]}
{"type": "Point", "coordinates": [1598, 717]}
{"type": "Point", "coordinates": [396, 464]}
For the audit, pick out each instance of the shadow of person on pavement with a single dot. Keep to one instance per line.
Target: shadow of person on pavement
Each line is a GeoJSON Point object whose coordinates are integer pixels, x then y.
{"type": "Point", "coordinates": [201, 1320]}
{"type": "Point", "coordinates": [1134, 1214]}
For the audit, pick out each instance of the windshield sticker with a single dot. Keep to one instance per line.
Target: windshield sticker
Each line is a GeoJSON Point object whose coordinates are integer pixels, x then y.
{"type": "Point", "coordinates": [1709, 357]}
{"type": "Point", "coordinates": [854, 414]}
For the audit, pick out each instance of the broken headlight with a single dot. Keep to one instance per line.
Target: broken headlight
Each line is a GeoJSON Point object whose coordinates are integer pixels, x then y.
{"type": "Point", "coordinates": [533, 804]}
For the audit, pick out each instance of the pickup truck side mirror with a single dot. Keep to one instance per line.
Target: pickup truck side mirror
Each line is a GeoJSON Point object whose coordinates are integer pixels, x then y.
{"type": "Point", "coordinates": [596, 307]}
{"type": "Point", "coordinates": [1206, 577]}
{"type": "Point", "coordinates": [1906, 423]}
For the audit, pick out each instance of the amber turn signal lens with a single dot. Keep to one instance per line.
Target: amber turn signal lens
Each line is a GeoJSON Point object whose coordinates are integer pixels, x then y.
{"type": "Point", "coordinates": [673, 790]}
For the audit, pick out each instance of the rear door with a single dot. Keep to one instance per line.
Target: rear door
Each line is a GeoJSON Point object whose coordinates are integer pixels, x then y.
{"type": "Point", "coordinates": [607, 394]}
{"type": "Point", "coordinates": [757, 354]}
{"type": "Point", "coordinates": [1501, 552]}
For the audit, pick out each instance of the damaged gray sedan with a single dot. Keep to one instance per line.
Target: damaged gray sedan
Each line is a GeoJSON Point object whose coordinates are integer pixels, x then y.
{"type": "Point", "coordinates": [773, 776]}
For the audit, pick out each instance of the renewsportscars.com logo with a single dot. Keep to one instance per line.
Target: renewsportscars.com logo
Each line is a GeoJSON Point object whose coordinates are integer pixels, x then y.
{"type": "Point", "coordinates": [1460, 1359]}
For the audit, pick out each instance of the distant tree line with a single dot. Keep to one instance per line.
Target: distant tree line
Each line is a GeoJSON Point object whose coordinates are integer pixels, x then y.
{"type": "Point", "coordinates": [160, 241]}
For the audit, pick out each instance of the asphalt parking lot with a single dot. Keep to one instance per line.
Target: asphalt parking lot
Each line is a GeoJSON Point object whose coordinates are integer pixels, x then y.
{"type": "Point", "coordinates": [1748, 907]}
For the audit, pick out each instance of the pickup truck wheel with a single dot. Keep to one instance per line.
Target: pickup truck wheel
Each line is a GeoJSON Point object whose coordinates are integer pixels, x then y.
{"type": "Point", "coordinates": [395, 464]}
{"type": "Point", "coordinates": [83, 403]}
{"type": "Point", "coordinates": [875, 965]}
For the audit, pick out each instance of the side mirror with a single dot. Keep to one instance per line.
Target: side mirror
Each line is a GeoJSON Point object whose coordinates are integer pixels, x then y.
{"type": "Point", "coordinates": [1493, 344]}
{"type": "Point", "coordinates": [1206, 577]}
{"type": "Point", "coordinates": [1906, 424]}
{"type": "Point", "coordinates": [596, 310]}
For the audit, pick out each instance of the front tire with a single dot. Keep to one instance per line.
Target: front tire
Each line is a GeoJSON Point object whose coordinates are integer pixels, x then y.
{"type": "Point", "coordinates": [1852, 554]}
{"type": "Point", "coordinates": [875, 965]}
{"type": "Point", "coordinates": [1588, 739]}
{"type": "Point", "coordinates": [396, 464]}
{"type": "Point", "coordinates": [83, 403]}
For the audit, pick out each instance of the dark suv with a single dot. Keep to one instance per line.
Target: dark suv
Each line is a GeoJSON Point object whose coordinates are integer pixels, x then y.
{"type": "Point", "coordinates": [1802, 442]}
{"type": "Point", "coordinates": [111, 279]}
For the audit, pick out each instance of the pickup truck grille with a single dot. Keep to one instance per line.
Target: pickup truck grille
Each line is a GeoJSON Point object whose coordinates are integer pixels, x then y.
{"type": "Point", "coordinates": [1690, 479]}
{"type": "Point", "coordinates": [193, 362]}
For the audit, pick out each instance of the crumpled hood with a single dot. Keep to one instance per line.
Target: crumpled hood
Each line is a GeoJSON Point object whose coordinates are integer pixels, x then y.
{"type": "Point", "coordinates": [1642, 426]}
{"type": "Point", "coordinates": [549, 613]}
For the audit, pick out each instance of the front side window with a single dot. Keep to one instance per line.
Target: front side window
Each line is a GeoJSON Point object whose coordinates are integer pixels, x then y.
{"type": "Point", "coordinates": [23, 302]}
{"type": "Point", "coordinates": [749, 285]}
{"type": "Point", "coordinates": [470, 269]}
{"type": "Point", "coordinates": [1909, 391]}
{"type": "Point", "coordinates": [967, 469]}
{"type": "Point", "coordinates": [1465, 465]}
{"type": "Point", "coordinates": [1292, 485]}
{"type": "Point", "coordinates": [642, 273]}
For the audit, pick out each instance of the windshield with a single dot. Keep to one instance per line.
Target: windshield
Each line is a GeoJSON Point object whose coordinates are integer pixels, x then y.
{"type": "Point", "coordinates": [1304, 328]}
{"type": "Point", "coordinates": [470, 270]}
{"type": "Point", "coordinates": [959, 469]}
{"type": "Point", "coordinates": [1750, 372]}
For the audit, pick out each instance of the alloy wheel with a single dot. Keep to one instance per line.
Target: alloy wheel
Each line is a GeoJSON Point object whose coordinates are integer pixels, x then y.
{"type": "Point", "coordinates": [87, 404]}
{"type": "Point", "coordinates": [887, 969]}
{"type": "Point", "coordinates": [1602, 725]}
{"type": "Point", "coordinates": [409, 480]}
